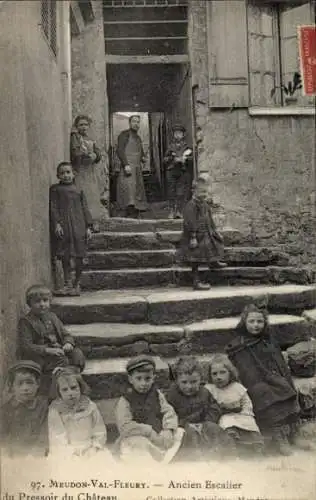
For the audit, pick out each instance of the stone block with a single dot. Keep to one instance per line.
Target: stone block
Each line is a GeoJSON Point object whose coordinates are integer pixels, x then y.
{"type": "Point", "coordinates": [101, 307]}
{"type": "Point", "coordinates": [122, 334]}
{"type": "Point", "coordinates": [108, 352]}
{"type": "Point", "coordinates": [129, 240]}
{"type": "Point", "coordinates": [188, 306]}
{"type": "Point", "coordinates": [147, 277]}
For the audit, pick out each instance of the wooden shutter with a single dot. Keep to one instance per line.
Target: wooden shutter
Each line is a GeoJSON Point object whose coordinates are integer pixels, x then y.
{"type": "Point", "coordinates": [227, 50]}
{"type": "Point", "coordinates": [290, 19]}
{"type": "Point", "coordinates": [263, 54]}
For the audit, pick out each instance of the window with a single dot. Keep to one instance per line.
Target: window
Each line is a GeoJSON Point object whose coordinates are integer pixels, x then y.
{"type": "Point", "coordinates": [49, 22]}
{"type": "Point", "coordinates": [273, 55]}
{"type": "Point", "coordinates": [253, 52]}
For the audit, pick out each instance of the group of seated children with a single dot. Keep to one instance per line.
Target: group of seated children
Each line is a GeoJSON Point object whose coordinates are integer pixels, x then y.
{"type": "Point", "coordinates": [232, 413]}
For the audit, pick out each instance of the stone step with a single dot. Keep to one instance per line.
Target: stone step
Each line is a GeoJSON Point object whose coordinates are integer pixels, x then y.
{"type": "Point", "coordinates": [117, 259]}
{"type": "Point", "coordinates": [147, 240]}
{"type": "Point", "coordinates": [121, 224]}
{"type": "Point", "coordinates": [132, 278]}
{"type": "Point", "coordinates": [179, 305]}
{"type": "Point", "coordinates": [107, 377]}
{"type": "Point", "coordinates": [111, 340]}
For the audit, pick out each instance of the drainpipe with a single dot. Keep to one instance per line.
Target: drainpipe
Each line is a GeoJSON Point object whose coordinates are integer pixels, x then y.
{"type": "Point", "coordinates": [65, 66]}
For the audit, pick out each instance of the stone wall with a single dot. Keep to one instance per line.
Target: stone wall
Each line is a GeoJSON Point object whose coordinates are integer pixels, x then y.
{"type": "Point", "coordinates": [260, 167]}
{"type": "Point", "coordinates": [179, 109]}
{"type": "Point", "coordinates": [89, 88]}
{"type": "Point", "coordinates": [32, 143]}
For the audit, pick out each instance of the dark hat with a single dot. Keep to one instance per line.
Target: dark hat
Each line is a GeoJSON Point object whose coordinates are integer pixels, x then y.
{"type": "Point", "coordinates": [177, 126]}
{"type": "Point", "coordinates": [27, 365]}
{"type": "Point", "coordinates": [140, 362]}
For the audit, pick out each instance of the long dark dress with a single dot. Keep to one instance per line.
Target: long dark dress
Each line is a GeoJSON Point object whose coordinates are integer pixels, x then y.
{"type": "Point", "coordinates": [198, 221]}
{"type": "Point", "coordinates": [68, 207]}
{"type": "Point", "coordinates": [263, 371]}
{"type": "Point", "coordinates": [130, 188]}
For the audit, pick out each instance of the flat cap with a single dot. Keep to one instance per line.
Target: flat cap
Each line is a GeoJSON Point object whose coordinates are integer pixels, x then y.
{"type": "Point", "coordinates": [177, 126]}
{"type": "Point", "coordinates": [140, 362]}
{"type": "Point", "coordinates": [27, 364]}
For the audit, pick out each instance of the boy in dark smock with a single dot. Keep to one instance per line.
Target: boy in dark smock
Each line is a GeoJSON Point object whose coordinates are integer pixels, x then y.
{"type": "Point", "coordinates": [24, 427]}
{"type": "Point", "coordinates": [43, 337]}
{"type": "Point", "coordinates": [146, 422]}
{"type": "Point", "coordinates": [71, 225]}
{"type": "Point", "coordinates": [179, 172]}
{"type": "Point", "coordinates": [198, 413]}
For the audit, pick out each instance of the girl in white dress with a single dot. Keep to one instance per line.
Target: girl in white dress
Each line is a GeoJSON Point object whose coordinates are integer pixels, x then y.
{"type": "Point", "coordinates": [236, 406]}
{"type": "Point", "coordinates": [75, 425]}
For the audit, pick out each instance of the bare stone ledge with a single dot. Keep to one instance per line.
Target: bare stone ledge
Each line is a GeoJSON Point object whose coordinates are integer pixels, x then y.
{"type": "Point", "coordinates": [123, 258]}
{"type": "Point", "coordinates": [177, 306]}
{"type": "Point", "coordinates": [132, 278]}
{"type": "Point", "coordinates": [100, 307]}
{"type": "Point", "coordinates": [133, 238]}
{"type": "Point", "coordinates": [188, 306]}
{"type": "Point", "coordinates": [121, 334]}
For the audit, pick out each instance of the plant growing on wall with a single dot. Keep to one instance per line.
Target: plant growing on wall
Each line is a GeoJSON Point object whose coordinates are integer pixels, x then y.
{"type": "Point", "coordinates": [291, 88]}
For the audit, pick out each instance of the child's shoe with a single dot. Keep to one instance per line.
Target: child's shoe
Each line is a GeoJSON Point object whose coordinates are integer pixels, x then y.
{"type": "Point", "coordinates": [60, 292]}
{"type": "Point", "coordinates": [282, 445]}
{"type": "Point", "coordinates": [199, 285]}
{"type": "Point", "coordinates": [178, 215]}
{"type": "Point", "coordinates": [75, 291]}
{"type": "Point", "coordinates": [218, 265]}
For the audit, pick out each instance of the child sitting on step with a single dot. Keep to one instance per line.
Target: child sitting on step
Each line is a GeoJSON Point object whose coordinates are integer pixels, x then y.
{"type": "Point", "coordinates": [235, 404]}
{"type": "Point", "coordinates": [198, 413]}
{"type": "Point", "coordinates": [265, 374]}
{"type": "Point", "coordinates": [24, 413]}
{"type": "Point", "coordinates": [43, 337]}
{"type": "Point", "coordinates": [147, 424]}
{"type": "Point", "coordinates": [71, 225]}
{"type": "Point", "coordinates": [75, 425]}
{"type": "Point", "coordinates": [200, 243]}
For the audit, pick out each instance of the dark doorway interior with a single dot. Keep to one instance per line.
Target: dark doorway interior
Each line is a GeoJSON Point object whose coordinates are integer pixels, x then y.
{"type": "Point", "coordinates": [161, 94]}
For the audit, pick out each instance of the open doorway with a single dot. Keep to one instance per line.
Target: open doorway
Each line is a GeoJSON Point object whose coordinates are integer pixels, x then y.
{"type": "Point", "coordinates": [161, 95]}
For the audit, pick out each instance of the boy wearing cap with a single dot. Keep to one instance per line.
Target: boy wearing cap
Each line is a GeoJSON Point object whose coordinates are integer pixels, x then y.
{"type": "Point", "coordinates": [43, 337]}
{"type": "Point", "coordinates": [147, 423]}
{"type": "Point", "coordinates": [24, 428]}
{"type": "Point", "coordinates": [178, 163]}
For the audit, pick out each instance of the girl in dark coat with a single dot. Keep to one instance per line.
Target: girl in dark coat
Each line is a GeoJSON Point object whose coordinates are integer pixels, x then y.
{"type": "Point", "coordinates": [71, 224]}
{"type": "Point", "coordinates": [264, 372]}
{"type": "Point", "coordinates": [200, 243]}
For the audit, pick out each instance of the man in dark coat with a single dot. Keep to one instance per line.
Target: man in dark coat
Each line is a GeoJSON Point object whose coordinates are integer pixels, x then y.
{"type": "Point", "coordinates": [265, 374]}
{"type": "Point", "coordinates": [131, 196]}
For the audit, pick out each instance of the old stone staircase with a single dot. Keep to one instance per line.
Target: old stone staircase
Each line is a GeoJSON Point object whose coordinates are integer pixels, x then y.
{"type": "Point", "coordinates": [137, 300]}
